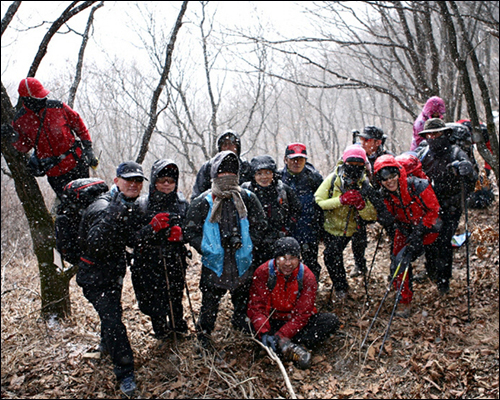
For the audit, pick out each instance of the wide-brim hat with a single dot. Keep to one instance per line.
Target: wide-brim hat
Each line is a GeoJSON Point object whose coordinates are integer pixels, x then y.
{"type": "Point", "coordinates": [434, 125]}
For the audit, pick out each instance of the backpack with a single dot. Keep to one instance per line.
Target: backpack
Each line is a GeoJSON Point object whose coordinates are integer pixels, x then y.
{"type": "Point", "coordinates": [271, 280]}
{"type": "Point", "coordinates": [77, 196]}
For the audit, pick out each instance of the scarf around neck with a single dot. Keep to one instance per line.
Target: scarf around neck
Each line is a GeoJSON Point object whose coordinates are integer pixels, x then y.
{"type": "Point", "coordinates": [226, 187]}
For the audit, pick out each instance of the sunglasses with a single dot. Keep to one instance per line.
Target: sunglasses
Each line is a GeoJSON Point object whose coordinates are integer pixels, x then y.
{"type": "Point", "coordinates": [165, 179]}
{"type": "Point", "coordinates": [136, 179]}
{"type": "Point", "coordinates": [388, 177]}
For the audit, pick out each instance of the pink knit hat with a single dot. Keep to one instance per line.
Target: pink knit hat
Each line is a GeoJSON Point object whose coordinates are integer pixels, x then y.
{"type": "Point", "coordinates": [354, 152]}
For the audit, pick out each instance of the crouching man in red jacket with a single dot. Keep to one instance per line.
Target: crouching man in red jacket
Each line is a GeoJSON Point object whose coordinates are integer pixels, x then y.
{"type": "Point", "coordinates": [282, 305]}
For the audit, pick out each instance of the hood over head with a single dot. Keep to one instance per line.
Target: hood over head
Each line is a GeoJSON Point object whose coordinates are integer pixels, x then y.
{"type": "Point", "coordinates": [225, 161]}
{"type": "Point", "coordinates": [163, 167]}
{"type": "Point", "coordinates": [233, 137]}
{"type": "Point", "coordinates": [434, 105]}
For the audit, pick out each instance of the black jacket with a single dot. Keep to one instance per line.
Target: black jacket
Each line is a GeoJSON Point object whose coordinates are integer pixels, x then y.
{"type": "Point", "coordinates": [104, 236]}
{"type": "Point", "coordinates": [153, 251]}
{"type": "Point", "coordinates": [446, 184]}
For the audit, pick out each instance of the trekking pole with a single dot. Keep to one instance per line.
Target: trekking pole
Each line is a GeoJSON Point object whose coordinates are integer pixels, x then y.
{"type": "Point", "coordinates": [395, 306]}
{"type": "Point", "coordinates": [381, 303]}
{"type": "Point", "coordinates": [168, 294]}
{"type": "Point", "coordinates": [464, 209]}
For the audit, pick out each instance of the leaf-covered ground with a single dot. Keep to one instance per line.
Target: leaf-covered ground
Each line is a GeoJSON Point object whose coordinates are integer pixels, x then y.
{"type": "Point", "coordinates": [435, 353]}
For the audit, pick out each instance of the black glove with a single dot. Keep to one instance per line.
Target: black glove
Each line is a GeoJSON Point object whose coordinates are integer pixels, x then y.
{"type": "Point", "coordinates": [89, 155]}
{"type": "Point", "coordinates": [270, 341]}
{"type": "Point", "coordinates": [462, 168]}
{"type": "Point", "coordinates": [415, 241]}
{"type": "Point", "coordinates": [9, 134]}
{"type": "Point", "coordinates": [117, 207]}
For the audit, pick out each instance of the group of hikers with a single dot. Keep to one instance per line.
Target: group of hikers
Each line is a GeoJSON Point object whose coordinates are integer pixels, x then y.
{"type": "Point", "coordinates": [256, 228]}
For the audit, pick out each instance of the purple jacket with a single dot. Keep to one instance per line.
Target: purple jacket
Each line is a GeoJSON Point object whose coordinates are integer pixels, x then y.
{"type": "Point", "coordinates": [433, 105]}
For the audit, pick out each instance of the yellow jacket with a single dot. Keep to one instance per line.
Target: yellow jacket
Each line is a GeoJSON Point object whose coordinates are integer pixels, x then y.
{"type": "Point", "coordinates": [336, 214]}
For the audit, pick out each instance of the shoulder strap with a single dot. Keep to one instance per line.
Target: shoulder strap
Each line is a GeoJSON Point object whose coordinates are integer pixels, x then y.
{"type": "Point", "coordinates": [330, 191]}
{"type": "Point", "coordinates": [40, 129]}
{"type": "Point", "coordinates": [271, 280]}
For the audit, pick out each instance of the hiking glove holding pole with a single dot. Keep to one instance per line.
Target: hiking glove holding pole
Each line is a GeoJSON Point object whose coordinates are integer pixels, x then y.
{"type": "Point", "coordinates": [353, 198]}
{"type": "Point", "coordinates": [89, 155]}
{"type": "Point", "coordinates": [463, 168]}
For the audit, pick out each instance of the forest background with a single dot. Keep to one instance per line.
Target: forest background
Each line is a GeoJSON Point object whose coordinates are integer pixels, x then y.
{"type": "Point", "coordinates": [164, 79]}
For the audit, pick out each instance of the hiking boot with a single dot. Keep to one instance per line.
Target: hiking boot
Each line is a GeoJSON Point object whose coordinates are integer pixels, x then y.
{"type": "Point", "coordinates": [300, 356]}
{"type": "Point", "coordinates": [403, 310]}
{"type": "Point", "coordinates": [357, 271]}
{"type": "Point", "coordinates": [341, 295]}
{"type": "Point", "coordinates": [421, 277]}
{"type": "Point", "coordinates": [443, 287]}
{"type": "Point", "coordinates": [103, 349]}
{"type": "Point", "coordinates": [128, 386]}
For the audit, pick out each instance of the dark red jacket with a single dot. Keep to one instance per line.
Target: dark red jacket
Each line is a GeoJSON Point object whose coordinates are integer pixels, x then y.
{"type": "Point", "coordinates": [56, 135]}
{"type": "Point", "coordinates": [283, 299]}
{"type": "Point", "coordinates": [410, 206]}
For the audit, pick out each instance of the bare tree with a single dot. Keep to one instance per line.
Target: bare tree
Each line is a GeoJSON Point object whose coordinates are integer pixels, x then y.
{"type": "Point", "coordinates": [54, 281]}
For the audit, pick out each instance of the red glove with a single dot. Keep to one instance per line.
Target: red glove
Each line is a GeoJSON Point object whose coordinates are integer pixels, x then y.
{"type": "Point", "coordinates": [352, 198]}
{"type": "Point", "coordinates": [175, 234]}
{"type": "Point", "coordinates": [160, 221]}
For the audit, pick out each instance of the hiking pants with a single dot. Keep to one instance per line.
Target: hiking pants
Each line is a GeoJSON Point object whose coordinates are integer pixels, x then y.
{"type": "Point", "coordinates": [107, 303]}
{"type": "Point", "coordinates": [318, 329]}
{"type": "Point", "coordinates": [211, 297]}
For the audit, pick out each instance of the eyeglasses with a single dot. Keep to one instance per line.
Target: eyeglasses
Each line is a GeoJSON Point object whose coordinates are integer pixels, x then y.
{"type": "Point", "coordinates": [165, 179]}
{"type": "Point", "coordinates": [389, 177]}
{"type": "Point", "coordinates": [264, 172]}
{"type": "Point", "coordinates": [136, 179]}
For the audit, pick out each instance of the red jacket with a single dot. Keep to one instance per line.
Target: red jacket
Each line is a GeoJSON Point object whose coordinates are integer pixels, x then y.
{"type": "Point", "coordinates": [283, 299]}
{"type": "Point", "coordinates": [410, 208]}
{"type": "Point", "coordinates": [56, 135]}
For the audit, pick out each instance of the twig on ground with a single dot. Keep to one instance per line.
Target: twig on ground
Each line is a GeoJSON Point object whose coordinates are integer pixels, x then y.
{"type": "Point", "coordinates": [275, 358]}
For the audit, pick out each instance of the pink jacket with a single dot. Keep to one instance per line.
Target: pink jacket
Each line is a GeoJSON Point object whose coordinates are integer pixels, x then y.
{"type": "Point", "coordinates": [435, 105]}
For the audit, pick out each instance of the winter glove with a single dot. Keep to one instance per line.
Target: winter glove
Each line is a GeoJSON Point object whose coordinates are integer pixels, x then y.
{"type": "Point", "coordinates": [463, 168]}
{"type": "Point", "coordinates": [117, 208]}
{"type": "Point", "coordinates": [270, 341]}
{"type": "Point", "coordinates": [88, 153]}
{"type": "Point", "coordinates": [160, 221]}
{"type": "Point", "coordinates": [353, 198]}
{"type": "Point", "coordinates": [9, 134]}
{"type": "Point", "coordinates": [175, 234]}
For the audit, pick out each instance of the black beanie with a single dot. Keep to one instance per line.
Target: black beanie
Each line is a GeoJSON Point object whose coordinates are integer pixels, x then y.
{"type": "Point", "coordinates": [286, 246]}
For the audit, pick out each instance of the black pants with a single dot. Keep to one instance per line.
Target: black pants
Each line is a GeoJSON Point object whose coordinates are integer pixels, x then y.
{"type": "Point", "coordinates": [310, 257]}
{"type": "Point", "coordinates": [318, 329]}
{"type": "Point", "coordinates": [359, 243]}
{"type": "Point", "coordinates": [107, 303]}
{"type": "Point", "coordinates": [334, 259]}
{"type": "Point", "coordinates": [439, 261]}
{"type": "Point", "coordinates": [211, 297]}
{"type": "Point", "coordinates": [57, 183]}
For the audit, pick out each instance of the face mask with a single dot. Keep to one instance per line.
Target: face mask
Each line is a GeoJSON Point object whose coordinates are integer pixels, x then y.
{"type": "Point", "coordinates": [439, 144]}
{"type": "Point", "coordinates": [353, 173]}
{"type": "Point", "coordinates": [34, 105]}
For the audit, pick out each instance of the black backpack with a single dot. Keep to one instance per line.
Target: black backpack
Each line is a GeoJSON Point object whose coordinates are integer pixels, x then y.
{"type": "Point", "coordinates": [77, 196]}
